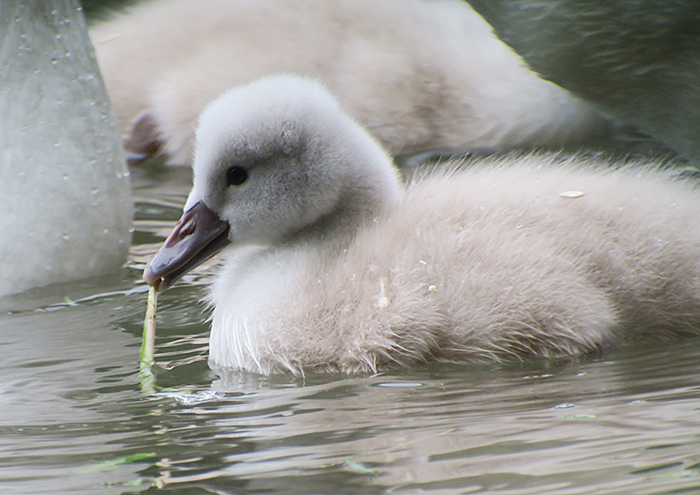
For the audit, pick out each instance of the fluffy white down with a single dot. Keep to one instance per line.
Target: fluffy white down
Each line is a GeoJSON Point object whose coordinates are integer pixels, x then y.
{"type": "Point", "coordinates": [522, 256]}
{"type": "Point", "coordinates": [489, 263]}
{"type": "Point", "coordinates": [418, 74]}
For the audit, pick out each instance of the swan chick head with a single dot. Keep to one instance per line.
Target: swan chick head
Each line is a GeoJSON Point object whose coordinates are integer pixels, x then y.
{"type": "Point", "coordinates": [275, 160]}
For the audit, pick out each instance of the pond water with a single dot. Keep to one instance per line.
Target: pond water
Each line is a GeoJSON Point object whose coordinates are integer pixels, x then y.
{"type": "Point", "coordinates": [74, 418]}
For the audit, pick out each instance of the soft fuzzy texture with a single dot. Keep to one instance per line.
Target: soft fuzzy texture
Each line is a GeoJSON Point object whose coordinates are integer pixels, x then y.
{"type": "Point", "coordinates": [417, 74]}
{"type": "Point", "coordinates": [488, 263]}
{"type": "Point", "coordinates": [335, 266]}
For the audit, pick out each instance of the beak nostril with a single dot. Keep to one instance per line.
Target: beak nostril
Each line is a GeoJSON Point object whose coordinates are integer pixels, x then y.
{"type": "Point", "coordinates": [188, 228]}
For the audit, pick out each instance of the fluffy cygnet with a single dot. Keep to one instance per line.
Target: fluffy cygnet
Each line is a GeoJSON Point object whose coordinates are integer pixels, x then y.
{"type": "Point", "coordinates": [334, 265]}
{"type": "Point", "coordinates": [418, 74]}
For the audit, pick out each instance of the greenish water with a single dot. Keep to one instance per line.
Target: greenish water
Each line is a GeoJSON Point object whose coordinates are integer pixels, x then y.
{"type": "Point", "coordinates": [74, 420]}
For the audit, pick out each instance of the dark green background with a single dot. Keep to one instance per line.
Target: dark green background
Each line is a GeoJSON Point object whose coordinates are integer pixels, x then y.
{"type": "Point", "coordinates": [100, 9]}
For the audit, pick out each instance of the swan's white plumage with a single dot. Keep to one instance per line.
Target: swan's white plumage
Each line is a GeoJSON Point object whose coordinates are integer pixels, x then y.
{"type": "Point", "coordinates": [491, 262]}
{"type": "Point", "coordinates": [418, 74]}
{"type": "Point", "coordinates": [65, 198]}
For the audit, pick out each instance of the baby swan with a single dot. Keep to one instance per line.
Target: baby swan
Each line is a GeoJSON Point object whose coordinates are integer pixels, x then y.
{"type": "Point", "coordinates": [334, 266]}
{"type": "Point", "coordinates": [418, 74]}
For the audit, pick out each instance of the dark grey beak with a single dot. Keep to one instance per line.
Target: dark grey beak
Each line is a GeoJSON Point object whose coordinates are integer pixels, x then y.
{"type": "Point", "coordinates": [198, 236]}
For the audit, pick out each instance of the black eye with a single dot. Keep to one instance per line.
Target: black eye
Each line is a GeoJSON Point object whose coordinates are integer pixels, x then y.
{"type": "Point", "coordinates": [236, 175]}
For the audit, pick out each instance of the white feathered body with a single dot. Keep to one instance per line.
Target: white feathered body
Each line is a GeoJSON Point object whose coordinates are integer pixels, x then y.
{"type": "Point", "coordinates": [417, 74]}
{"type": "Point", "coordinates": [494, 262]}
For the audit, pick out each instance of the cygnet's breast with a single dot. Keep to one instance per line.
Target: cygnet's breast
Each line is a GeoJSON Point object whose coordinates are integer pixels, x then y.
{"type": "Point", "coordinates": [252, 290]}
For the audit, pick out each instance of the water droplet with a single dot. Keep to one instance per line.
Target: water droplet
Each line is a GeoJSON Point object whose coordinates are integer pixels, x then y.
{"type": "Point", "coordinates": [95, 191]}
{"type": "Point", "coordinates": [65, 177]}
{"type": "Point", "coordinates": [66, 237]}
{"type": "Point", "coordinates": [54, 62]}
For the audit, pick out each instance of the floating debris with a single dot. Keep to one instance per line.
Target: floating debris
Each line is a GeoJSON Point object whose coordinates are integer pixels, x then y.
{"type": "Point", "coordinates": [571, 194]}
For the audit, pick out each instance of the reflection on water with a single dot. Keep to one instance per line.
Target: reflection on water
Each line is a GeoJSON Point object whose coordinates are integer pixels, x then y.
{"type": "Point", "coordinates": [73, 418]}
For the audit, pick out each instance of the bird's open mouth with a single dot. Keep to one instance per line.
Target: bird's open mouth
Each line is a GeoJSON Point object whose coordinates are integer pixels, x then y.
{"type": "Point", "coordinates": [198, 236]}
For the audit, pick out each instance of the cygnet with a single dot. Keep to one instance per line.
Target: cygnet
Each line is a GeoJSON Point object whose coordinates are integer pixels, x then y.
{"type": "Point", "coordinates": [332, 264]}
{"type": "Point", "coordinates": [418, 74]}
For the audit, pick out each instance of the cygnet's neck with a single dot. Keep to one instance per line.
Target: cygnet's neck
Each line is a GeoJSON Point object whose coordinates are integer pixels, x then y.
{"type": "Point", "coordinates": [371, 186]}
